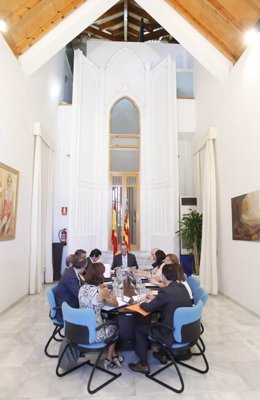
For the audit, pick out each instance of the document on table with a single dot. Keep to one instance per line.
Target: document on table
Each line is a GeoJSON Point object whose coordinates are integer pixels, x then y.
{"type": "Point", "coordinates": [137, 308]}
{"type": "Point", "coordinates": [107, 307]}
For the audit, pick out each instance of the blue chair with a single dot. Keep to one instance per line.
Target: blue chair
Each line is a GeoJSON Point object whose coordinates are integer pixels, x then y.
{"type": "Point", "coordinates": [56, 334]}
{"type": "Point", "coordinates": [186, 334]}
{"type": "Point", "coordinates": [200, 294]}
{"type": "Point", "coordinates": [193, 282]}
{"type": "Point", "coordinates": [80, 334]}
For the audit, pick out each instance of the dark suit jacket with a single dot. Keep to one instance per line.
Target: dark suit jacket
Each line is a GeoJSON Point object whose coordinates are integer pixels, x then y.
{"type": "Point", "coordinates": [131, 261]}
{"type": "Point", "coordinates": [67, 290]}
{"type": "Point", "coordinates": [168, 299]}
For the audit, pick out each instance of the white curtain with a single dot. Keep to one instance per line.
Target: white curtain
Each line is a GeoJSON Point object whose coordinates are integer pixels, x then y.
{"type": "Point", "coordinates": [41, 225]}
{"type": "Point", "coordinates": [48, 226]}
{"type": "Point", "coordinates": [35, 256]}
{"type": "Point", "coordinates": [206, 193]}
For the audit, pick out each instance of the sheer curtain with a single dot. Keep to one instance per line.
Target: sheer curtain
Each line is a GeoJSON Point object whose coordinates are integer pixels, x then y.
{"type": "Point", "coordinates": [41, 225]}
{"type": "Point", "coordinates": [206, 193]}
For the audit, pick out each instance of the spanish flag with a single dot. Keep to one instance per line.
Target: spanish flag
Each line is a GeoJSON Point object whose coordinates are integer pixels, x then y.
{"type": "Point", "coordinates": [114, 230]}
{"type": "Point", "coordinates": [126, 232]}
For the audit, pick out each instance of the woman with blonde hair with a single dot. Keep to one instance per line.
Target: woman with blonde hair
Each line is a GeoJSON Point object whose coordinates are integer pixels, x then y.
{"type": "Point", "coordinates": [172, 259]}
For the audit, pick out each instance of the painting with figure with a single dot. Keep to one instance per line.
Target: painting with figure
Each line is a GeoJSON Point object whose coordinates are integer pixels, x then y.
{"type": "Point", "coordinates": [246, 216]}
{"type": "Point", "coordinates": [9, 179]}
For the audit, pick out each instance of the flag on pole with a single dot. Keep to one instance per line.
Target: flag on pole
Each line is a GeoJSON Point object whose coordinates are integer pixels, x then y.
{"type": "Point", "coordinates": [114, 230]}
{"type": "Point", "coordinates": [126, 232]}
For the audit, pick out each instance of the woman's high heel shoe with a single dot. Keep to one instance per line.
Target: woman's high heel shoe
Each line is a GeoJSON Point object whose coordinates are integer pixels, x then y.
{"type": "Point", "coordinates": [110, 364]}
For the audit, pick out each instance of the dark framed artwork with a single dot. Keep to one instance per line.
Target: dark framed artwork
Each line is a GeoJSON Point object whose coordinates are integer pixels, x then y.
{"type": "Point", "coordinates": [246, 216]}
{"type": "Point", "coordinates": [9, 182]}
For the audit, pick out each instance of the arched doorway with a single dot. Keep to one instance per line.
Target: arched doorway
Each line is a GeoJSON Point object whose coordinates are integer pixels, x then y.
{"type": "Point", "coordinates": [124, 170]}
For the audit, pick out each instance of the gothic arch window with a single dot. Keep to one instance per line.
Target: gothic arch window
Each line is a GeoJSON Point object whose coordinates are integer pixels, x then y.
{"type": "Point", "coordinates": [124, 168]}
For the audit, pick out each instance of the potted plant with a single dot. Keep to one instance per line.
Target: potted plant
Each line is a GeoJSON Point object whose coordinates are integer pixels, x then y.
{"type": "Point", "coordinates": [191, 233]}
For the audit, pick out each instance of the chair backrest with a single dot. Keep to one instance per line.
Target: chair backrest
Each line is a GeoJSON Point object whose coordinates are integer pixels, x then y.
{"type": "Point", "coordinates": [186, 322]}
{"type": "Point", "coordinates": [200, 294]}
{"type": "Point", "coordinates": [79, 324]}
{"type": "Point", "coordinates": [52, 301]}
{"type": "Point", "coordinates": [193, 282]}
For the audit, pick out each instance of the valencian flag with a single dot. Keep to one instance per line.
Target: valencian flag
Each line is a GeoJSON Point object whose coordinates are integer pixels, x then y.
{"type": "Point", "coordinates": [114, 230]}
{"type": "Point", "coordinates": [126, 232]}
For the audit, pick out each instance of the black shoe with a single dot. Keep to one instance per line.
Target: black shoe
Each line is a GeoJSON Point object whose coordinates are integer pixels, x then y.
{"type": "Point", "coordinates": [138, 367]}
{"type": "Point", "coordinates": [161, 356]}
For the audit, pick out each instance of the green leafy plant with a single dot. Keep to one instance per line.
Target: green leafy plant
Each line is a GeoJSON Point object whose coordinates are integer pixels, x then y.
{"type": "Point", "coordinates": [191, 233]}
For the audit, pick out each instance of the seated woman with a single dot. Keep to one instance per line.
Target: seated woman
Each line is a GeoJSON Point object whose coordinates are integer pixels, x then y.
{"type": "Point", "coordinates": [159, 257]}
{"type": "Point", "coordinates": [93, 294]}
{"type": "Point", "coordinates": [171, 259]}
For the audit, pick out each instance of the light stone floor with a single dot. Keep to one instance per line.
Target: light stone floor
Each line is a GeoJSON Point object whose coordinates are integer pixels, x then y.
{"type": "Point", "coordinates": [232, 338]}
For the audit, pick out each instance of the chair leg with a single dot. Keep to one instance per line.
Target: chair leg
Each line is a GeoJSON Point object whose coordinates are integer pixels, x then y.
{"type": "Point", "coordinates": [202, 346]}
{"type": "Point", "coordinates": [172, 362]}
{"type": "Point", "coordinates": [57, 330]}
{"type": "Point", "coordinates": [60, 374]}
{"type": "Point", "coordinates": [95, 366]}
{"type": "Point", "coordinates": [202, 353]}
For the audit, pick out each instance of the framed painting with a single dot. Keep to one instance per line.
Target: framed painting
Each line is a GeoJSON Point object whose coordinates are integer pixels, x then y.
{"type": "Point", "coordinates": [246, 216]}
{"type": "Point", "coordinates": [9, 182]}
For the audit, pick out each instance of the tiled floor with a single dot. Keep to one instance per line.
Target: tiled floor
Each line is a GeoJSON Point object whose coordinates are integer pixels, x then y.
{"type": "Point", "coordinates": [232, 338]}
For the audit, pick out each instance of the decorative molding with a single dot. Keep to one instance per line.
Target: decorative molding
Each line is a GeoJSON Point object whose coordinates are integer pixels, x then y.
{"type": "Point", "coordinates": [123, 52]}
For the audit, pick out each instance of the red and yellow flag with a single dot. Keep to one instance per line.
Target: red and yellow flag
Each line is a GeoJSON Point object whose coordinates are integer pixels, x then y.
{"type": "Point", "coordinates": [114, 230]}
{"type": "Point", "coordinates": [126, 232]}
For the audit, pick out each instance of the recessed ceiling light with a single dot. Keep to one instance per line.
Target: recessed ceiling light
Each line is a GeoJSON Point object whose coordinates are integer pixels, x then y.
{"type": "Point", "coordinates": [3, 26]}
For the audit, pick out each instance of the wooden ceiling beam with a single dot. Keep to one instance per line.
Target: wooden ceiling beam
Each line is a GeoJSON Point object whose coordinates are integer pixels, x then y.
{"type": "Point", "coordinates": [116, 9]}
{"type": "Point", "coordinates": [155, 35]}
{"type": "Point", "coordinates": [151, 27]}
{"type": "Point", "coordinates": [255, 5]}
{"type": "Point", "coordinates": [120, 31]}
{"type": "Point", "coordinates": [217, 42]}
{"type": "Point", "coordinates": [140, 12]}
{"type": "Point", "coordinates": [41, 30]}
{"type": "Point", "coordinates": [134, 21]}
{"type": "Point", "coordinates": [22, 12]}
{"type": "Point", "coordinates": [98, 32]}
{"type": "Point", "coordinates": [113, 21]}
{"type": "Point", "coordinates": [218, 8]}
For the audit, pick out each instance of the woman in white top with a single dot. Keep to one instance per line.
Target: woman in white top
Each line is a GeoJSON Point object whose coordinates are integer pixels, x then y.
{"type": "Point", "coordinates": [171, 259]}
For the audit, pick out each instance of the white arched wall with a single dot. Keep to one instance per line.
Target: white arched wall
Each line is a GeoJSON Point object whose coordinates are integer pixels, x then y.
{"type": "Point", "coordinates": [96, 89]}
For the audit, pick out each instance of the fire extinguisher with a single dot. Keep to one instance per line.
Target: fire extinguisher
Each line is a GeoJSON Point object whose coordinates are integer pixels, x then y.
{"type": "Point", "coordinates": [63, 236]}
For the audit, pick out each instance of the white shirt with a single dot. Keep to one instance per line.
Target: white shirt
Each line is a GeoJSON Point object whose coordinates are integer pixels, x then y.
{"type": "Point", "coordinates": [124, 261]}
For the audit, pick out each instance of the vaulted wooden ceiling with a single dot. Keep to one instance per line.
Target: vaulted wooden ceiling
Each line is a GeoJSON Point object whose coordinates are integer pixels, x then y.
{"type": "Point", "coordinates": [222, 22]}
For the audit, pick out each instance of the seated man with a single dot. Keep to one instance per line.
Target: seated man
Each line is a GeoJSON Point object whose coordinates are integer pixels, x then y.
{"type": "Point", "coordinates": [169, 298]}
{"type": "Point", "coordinates": [124, 259]}
{"type": "Point", "coordinates": [80, 255]}
{"type": "Point", "coordinates": [68, 287]}
{"type": "Point", "coordinates": [94, 257]}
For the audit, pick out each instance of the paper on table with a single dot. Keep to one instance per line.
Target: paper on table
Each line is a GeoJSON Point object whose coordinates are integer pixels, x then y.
{"type": "Point", "coordinates": [137, 308]}
{"type": "Point", "coordinates": [107, 307]}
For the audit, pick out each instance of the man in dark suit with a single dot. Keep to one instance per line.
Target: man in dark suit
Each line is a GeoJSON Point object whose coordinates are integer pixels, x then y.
{"type": "Point", "coordinates": [68, 287]}
{"type": "Point", "coordinates": [124, 259]}
{"type": "Point", "coordinates": [169, 298]}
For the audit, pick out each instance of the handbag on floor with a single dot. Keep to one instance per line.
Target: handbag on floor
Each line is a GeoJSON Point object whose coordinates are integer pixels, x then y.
{"type": "Point", "coordinates": [70, 357]}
